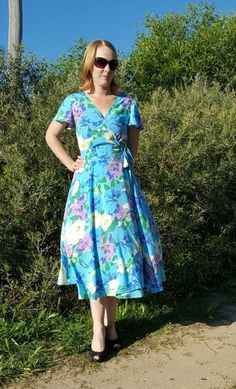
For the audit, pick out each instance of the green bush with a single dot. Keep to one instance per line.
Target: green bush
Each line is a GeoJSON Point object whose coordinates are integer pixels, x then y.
{"type": "Point", "coordinates": [188, 152]}
{"type": "Point", "coordinates": [178, 47]}
{"type": "Point", "coordinates": [187, 168]}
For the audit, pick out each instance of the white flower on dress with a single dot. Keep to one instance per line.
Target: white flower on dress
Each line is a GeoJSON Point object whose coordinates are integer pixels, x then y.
{"type": "Point", "coordinates": [109, 135]}
{"type": "Point", "coordinates": [102, 220]}
{"type": "Point", "coordinates": [113, 286]}
{"type": "Point", "coordinates": [96, 191]}
{"type": "Point", "coordinates": [91, 287]}
{"type": "Point", "coordinates": [76, 187]}
{"type": "Point", "coordinates": [121, 267]}
{"type": "Point", "coordinates": [74, 232]}
{"type": "Point", "coordinates": [84, 143]}
{"type": "Point", "coordinates": [62, 279]}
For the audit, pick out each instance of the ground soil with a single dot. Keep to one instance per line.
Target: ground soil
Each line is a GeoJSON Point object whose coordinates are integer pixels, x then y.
{"type": "Point", "coordinates": [186, 355]}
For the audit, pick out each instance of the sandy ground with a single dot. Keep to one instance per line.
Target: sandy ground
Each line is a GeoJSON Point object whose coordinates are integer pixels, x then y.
{"type": "Point", "coordinates": [185, 356]}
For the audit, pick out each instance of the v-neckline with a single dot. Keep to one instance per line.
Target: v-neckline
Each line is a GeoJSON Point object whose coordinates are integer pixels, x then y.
{"type": "Point", "coordinates": [98, 110]}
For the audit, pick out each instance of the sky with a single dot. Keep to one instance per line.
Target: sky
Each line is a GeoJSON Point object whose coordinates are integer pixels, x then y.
{"type": "Point", "coordinates": [52, 27]}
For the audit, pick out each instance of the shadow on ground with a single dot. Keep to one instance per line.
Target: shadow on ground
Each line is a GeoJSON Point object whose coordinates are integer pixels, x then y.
{"type": "Point", "coordinates": [211, 308]}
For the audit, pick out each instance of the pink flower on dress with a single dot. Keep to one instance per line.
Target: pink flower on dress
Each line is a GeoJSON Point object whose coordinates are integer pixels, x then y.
{"type": "Point", "coordinates": [85, 243]}
{"type": "Point", "coordinates": [108, 249]}
{"type": "Point", "coordinates": [68, 250]}
{"type": "Point", "coordinates": [121, 212]}
{"type": "Point", "coordinates": [155, 263]}
{"type": "Point", "coordinates": [114, 169]}
{"type": "Point", "coordinates": [78, 208]}
{"type": "Point", "coordinates": [78, 110]}
{"type": "Point", "coordinates": [126, 102]}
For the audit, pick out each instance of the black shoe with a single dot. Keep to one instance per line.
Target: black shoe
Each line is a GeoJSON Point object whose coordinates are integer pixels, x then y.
{"type": "Point", "coordinates": [112, 344]}
{"type": "Point", "coordinates": [97, 356]}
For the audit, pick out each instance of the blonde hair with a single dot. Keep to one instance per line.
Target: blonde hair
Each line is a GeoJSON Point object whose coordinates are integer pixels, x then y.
{"type": "Point", "coordinates": [89, 55]}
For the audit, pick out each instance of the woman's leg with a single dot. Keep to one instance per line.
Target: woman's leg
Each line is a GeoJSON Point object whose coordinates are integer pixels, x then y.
{"type": "Point", "coordinates": [98, 312]}
{"type": "Point", "coordinates": [109, 317]}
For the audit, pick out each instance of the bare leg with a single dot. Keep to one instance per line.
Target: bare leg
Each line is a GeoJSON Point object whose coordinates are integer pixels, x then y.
{"type": "Point", "coordinates": [109, 317]}
{"type": "Point", "coordinates": [98, 311]}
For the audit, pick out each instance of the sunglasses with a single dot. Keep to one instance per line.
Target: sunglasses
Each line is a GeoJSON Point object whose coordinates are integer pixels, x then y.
{"type": "Point", "coordinates": [101, 63]}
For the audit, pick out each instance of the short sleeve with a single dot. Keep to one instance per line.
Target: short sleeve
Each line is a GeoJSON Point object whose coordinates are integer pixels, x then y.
{"type": "Point", "coordinates": [65, 112]}
{"type": "Point", "coordinates": [135, 118]}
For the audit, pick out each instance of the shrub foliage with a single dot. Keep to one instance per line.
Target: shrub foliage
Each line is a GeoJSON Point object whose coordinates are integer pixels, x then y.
{"type": "Point", "coordinates": [183, 73]}
{"type": "Point", "coordinates": [177, 47]}
{"type": "Point", "coordinates": [188, 169]}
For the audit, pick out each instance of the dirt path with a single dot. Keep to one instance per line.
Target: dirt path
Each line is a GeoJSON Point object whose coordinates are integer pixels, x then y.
{"type": "Point", "coordinates": [184, 356]}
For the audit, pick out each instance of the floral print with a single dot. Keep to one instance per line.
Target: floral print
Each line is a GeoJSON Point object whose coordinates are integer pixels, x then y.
{"type": "Point", "coordinates": [110, 244]}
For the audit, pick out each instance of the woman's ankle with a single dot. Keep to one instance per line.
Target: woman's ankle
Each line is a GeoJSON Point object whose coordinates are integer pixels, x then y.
{"type": "Point", "coordinates": [111, 331]}
{"type": "Point", "coordinates": [98, 327]}
{"type": "Point", "coordinates": [110, 324]}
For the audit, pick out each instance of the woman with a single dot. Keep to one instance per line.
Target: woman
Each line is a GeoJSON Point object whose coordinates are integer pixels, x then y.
{"type": "Point", "coordinates": [110, 245]}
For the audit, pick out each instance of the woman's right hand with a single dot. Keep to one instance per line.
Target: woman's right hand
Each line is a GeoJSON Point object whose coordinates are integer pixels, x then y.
{"type": "Point", "coordinates": [76, 165]}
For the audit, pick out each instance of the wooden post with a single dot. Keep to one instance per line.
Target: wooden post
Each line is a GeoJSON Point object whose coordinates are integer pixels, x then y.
{"type": "Point", "coordinates": [15, 26]}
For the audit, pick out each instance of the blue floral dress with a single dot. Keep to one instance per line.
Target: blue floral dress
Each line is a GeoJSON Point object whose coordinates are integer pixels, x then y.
{"type": "Point", "coordinates": [110, 244]}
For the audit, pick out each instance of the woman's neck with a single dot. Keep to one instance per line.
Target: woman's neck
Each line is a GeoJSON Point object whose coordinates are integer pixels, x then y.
{"type": "Point", "coordinates": [99, 91]}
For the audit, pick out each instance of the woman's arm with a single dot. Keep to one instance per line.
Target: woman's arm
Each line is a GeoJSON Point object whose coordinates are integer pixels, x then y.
{"type": "Point", "coordinates": [133, 139]}
{"type": "Point", "coordinates": [52, 136]}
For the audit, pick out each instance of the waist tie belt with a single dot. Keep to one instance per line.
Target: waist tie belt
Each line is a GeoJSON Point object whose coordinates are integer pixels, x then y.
{"type": "Point", "coordinates": [127, 156]}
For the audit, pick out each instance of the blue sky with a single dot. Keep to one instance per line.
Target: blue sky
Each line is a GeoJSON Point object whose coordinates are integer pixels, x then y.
{"type": "Point", "coordinates": [51, 27]}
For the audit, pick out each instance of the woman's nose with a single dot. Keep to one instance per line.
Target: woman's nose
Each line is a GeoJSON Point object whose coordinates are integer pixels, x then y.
{"type": "Point", "coordinates": [107, 67]}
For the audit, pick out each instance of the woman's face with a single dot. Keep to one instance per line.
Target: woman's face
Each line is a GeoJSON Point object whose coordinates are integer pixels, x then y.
{"type": "Point", "coordinates": [103, 77]}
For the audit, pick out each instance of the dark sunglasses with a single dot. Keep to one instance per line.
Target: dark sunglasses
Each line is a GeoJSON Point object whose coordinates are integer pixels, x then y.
{"type": "Point", "coordinates": [101, 63]}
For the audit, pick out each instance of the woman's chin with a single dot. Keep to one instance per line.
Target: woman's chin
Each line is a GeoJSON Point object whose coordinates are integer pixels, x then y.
{"type": "Point", "coordinates": [105, 82]}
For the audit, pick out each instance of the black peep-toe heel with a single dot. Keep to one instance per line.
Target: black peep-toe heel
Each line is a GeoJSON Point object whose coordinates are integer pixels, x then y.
{"type": "Point", "coordinates": [97, 356]}
{"type": "Point", "coordinates": [112, 344]}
